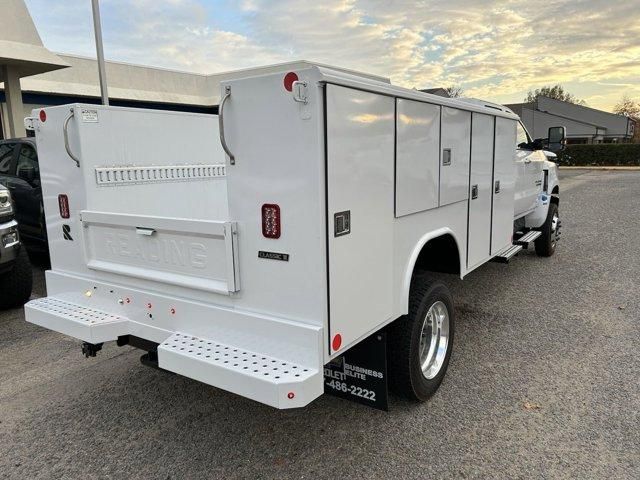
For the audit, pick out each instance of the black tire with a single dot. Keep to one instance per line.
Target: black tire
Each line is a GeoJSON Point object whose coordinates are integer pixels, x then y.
{"type": "Point", "coordinates": [16, 284]}
{"type": "Point", "coordinates": [546, 243]}
{"type": "Point", "coordinates": [405, 373]}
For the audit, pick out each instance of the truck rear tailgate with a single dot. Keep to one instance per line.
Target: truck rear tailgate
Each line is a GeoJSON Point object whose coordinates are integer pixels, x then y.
{"type": "Point", "coordinates": [196, 254]}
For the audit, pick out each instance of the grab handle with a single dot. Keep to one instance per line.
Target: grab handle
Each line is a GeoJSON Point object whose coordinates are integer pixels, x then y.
{"type": "Point", "coordinates": [66, 138]}
{"type": "Point", "coordinates": [223, 141]}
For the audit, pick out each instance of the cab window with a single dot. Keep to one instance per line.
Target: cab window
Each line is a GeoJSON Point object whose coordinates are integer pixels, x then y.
{"type": "Point", "coordinates": [523, 139]}
{"type": "Point", "coordinates": [6, 157]}
{"type": "Point", "coordinates": [27, 160]}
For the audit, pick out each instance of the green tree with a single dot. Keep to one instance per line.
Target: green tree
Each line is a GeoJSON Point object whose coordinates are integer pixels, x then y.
{"type": "Point", "coordinates": [454, 91]}
{"type": "Point", "coordinates": [556, 91]}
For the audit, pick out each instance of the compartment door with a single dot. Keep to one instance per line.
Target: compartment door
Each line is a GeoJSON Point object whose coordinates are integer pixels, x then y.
{"type": "Point", "coordinates": [454, 156]}
{"type": "Point", "coordinates": [417, 156]}
{"type": "Point", "coordinates": [480, 191]}
{"type": "Point", "coordinates": [360, 196]}
{"type": "Point", "coordinates": [503, 184]}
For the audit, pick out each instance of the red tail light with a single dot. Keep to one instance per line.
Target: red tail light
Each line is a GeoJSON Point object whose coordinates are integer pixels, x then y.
{"type": "Point", "coordinates": [63, 203]}
{"type": "Point", "coordinates": [271, 220]}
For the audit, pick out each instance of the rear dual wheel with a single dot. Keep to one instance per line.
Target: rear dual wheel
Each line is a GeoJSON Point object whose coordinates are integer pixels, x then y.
{"type": "Point", "coordinates": [420, 343]}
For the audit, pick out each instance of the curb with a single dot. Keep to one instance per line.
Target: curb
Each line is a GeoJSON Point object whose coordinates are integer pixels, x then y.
{"type": "Point", "coordinates": [592, 167]}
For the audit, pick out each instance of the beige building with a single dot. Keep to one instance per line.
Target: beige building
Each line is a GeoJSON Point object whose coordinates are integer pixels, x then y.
{"type": "Point", "coordinates": [583, 124]}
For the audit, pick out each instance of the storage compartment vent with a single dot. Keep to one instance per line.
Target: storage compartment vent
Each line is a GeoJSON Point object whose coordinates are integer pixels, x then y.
{"type": "Point", "coordinates": [106, 176]}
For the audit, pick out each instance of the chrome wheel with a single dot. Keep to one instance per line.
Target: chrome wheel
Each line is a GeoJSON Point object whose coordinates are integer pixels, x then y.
{"type": "Point", "coordinates": [434, 340]}
{"type": "Point", "coordinates": [555, 229]}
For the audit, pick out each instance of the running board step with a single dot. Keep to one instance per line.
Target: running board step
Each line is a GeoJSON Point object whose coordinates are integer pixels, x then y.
{"type": "Point", "coordinates": [527, 238]}
{"type": "Point", "coordinates": [507, 254]}
{"type": "Point", "coordinates": [273, 381]}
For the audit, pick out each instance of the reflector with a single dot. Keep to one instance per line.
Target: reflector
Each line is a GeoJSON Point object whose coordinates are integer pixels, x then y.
{"type": "Point", "coordinates": [289, 78]}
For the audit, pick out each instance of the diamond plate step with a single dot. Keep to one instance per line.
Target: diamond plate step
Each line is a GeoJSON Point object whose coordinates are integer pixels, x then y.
{"type": "Point", "coordinates": [273, 381]}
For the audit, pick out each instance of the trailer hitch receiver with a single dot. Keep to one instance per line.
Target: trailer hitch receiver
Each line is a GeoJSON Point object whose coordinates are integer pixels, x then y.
{"type": "Point", "coordinates": [90, 349]}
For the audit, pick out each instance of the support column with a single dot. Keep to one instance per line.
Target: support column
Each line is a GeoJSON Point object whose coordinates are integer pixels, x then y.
{"type": "Point", "coordinates": [14, 123]}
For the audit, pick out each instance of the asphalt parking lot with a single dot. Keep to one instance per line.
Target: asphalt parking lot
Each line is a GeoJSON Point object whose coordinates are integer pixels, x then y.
{"type": "Point", "coordinates": [544, 383]}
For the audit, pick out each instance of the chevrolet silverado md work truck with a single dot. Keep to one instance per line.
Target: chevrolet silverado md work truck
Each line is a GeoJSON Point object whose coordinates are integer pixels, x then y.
{"type": "Point", "coordinates": [286, 246]}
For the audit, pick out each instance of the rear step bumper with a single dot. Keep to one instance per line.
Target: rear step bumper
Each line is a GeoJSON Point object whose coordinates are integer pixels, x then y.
{"type": "Point", "coordinates": [283, 380]}
{"type": "Point", "coordinates": [269, 380]}
{"type": "Point", "coordinates": [90, 324]}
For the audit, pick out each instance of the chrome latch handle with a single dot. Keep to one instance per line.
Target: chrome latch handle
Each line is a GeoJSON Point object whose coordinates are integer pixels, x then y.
{"type": "Point", "coordinates": [299, 90]}
{"type": "Point", "coordinates": [223, 140]}
{"type": "Point", "coordinates": [65, 131]}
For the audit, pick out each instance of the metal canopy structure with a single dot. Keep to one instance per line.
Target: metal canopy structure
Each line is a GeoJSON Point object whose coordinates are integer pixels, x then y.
{"type": "Point", "coordinates": [21, 55]}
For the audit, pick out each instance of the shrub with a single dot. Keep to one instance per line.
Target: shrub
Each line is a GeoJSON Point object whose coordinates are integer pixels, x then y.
{"type": "Point", "coordinates": [604, 154]}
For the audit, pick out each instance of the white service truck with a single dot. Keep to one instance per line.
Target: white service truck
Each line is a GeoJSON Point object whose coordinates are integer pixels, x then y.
{"type": "Point", "coordinates": [283, 247]}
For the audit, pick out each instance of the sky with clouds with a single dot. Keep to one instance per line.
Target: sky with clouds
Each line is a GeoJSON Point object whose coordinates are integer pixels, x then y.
{"type": "Point", "coordinates": [495, 50]}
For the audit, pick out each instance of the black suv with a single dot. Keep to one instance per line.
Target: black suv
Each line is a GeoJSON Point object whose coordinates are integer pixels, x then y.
{"type": "Point", "coordinates": [20, 173]}
{"type": "Point", "coordinates": [15, 270]}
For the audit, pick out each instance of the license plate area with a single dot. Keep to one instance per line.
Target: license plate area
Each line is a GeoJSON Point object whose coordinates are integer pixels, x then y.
{"type": "Point", "coordinates": [198, 254]}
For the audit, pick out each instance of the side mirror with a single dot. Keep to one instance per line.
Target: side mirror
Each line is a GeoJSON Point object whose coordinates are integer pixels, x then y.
{"type": "Point", "coordinates": [557, 138]}
{"type": "Point", "coordinates": [537, 144]}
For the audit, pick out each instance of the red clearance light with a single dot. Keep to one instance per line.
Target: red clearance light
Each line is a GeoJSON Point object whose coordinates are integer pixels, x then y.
{"type": "Point", "coordinates": [337, 342]}
{"type": "Point", "coordinates": [63, 203]}
{"type": "Point", "coordinates": [271, 220]}
{"type": "Point", "coordinates": [43, 116]}
{"type": "Point", "coordinates": [289, 78]}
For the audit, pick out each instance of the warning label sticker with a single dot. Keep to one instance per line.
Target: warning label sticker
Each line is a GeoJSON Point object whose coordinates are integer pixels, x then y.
{"type": "Point", "coordinates": [89, 115]}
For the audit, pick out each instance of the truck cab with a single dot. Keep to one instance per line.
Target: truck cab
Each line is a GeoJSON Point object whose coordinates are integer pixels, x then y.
{"type": "Point", "coordinates": [531, 165]}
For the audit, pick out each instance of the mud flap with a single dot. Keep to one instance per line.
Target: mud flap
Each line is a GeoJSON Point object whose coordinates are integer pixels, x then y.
{"type": "Point", "coordinates": [360, 374]}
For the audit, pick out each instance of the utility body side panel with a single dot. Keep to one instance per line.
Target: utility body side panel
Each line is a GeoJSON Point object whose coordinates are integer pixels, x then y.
{"type": "Point", "coordinates": [360, 190]}
{"type": "Point", "coordinates": [278, 144]}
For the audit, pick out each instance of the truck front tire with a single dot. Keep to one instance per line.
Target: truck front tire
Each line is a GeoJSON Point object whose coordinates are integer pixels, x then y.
{"type": "Point", "coordinates": [546, 243]}
{"type": "Point", "coordinates": [16, 284]}
{"type": "Point", "coordinates": [420, 343]}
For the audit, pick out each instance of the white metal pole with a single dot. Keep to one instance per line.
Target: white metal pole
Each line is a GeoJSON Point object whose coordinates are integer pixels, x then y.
{"type": "Point", "coordinates": [101, 67]}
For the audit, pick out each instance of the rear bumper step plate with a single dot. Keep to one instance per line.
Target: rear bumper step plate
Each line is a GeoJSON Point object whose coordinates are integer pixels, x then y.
{"type": "Point", "coordinates": [273, 381]}
{"type": "Point", "coordinates": [281, 381]}
{"type": "Point", "coordinates": [86, 323]}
